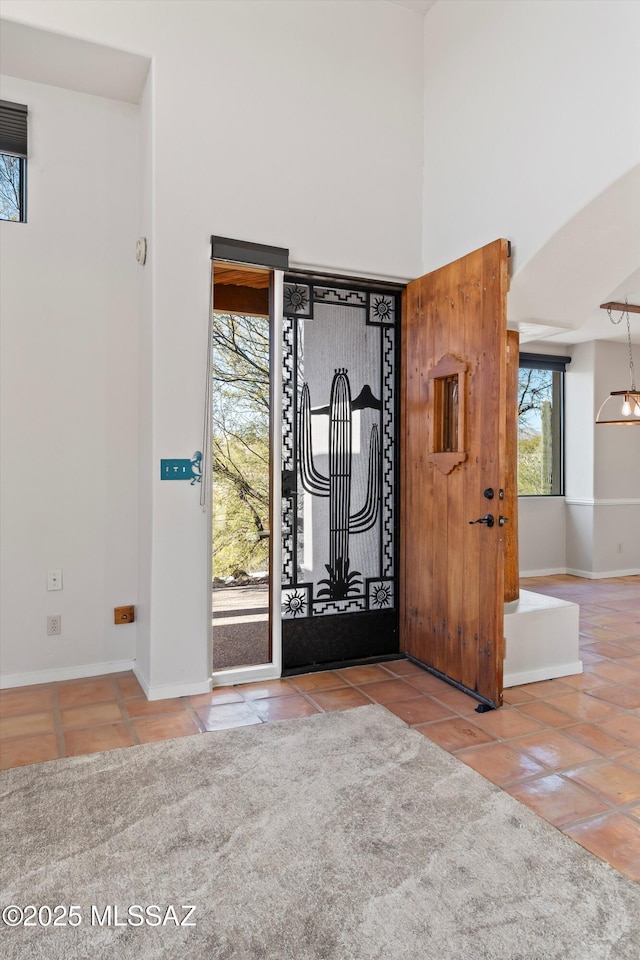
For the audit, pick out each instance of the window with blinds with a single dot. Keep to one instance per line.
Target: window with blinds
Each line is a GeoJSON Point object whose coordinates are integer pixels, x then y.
{"type": "Point", "coordinates": [541, 425]}
{"type": "Point", "coordinates": [13, 160]}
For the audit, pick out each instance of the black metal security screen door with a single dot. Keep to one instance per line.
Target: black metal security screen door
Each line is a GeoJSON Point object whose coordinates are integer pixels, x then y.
{"type": "Point", "coordinates": [339, 506]}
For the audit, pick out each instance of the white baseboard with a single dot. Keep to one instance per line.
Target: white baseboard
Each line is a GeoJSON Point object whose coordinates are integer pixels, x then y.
{"type": "Point", "coordinates": [152, 691]}
{"type": "Point", "coordinates": [543, 673]}
{"type": "Point", "coordinates": [586, 574]}
{"type": "Point", "coordinates": [547, 572]}
{"type": "Point", "coordinates": [262, 671]}
{"type": "Point", "coordinates": [603, 574]}
{"type": "Point", "coordinates": [8, 680]}
{"type": "Point", "coordinates": [167, 691]}
{"type": "Point", "coordinates": [581, 502]}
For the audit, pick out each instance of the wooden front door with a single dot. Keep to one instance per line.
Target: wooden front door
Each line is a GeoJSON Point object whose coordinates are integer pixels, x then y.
{"type": "Point", "coordinates": [453, 470]}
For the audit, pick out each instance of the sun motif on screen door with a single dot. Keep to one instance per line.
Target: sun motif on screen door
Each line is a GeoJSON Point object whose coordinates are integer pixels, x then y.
{"type": "Point", "coordinates": [295, 298]}
{"type": "Point", "coordinates": [382, 308]}
{"type": "Point", "coordinates": [295, 603]}
{"type": "Point", "coordinates": [381, 595]}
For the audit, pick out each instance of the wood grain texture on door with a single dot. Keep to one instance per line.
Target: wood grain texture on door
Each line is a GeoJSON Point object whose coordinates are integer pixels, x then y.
{"type": "Point", "coordinates": [510, 506]}
{"type": "Point", "coordinates": [452, 591]}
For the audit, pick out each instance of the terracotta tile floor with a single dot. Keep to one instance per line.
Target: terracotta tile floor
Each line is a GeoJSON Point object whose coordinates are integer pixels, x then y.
{"type": "Point", "coordinates": [568, 748]}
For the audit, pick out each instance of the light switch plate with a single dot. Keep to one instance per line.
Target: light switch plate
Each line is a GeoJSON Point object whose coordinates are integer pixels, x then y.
{"type": "Point", "coordinates": [175, 470]}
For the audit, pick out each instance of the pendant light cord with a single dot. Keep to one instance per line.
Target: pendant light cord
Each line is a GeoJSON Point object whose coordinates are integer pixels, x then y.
{"type": "Point", "coordinates": [632, 373]}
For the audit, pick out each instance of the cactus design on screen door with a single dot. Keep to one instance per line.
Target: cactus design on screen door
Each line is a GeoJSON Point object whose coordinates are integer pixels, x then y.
{"type": "Point", "coordinates": [338, 449]}
{"type": "Point", "coordinates": [341, 582]}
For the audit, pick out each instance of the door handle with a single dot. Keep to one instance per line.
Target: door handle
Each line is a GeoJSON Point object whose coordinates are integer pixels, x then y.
{"type": "Point", "coordinates": [488, 520]}
{"type": "Point", "coordinates": [502, 521]}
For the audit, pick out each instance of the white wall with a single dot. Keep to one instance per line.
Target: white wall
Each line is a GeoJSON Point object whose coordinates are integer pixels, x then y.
{"type": "Point", "coordinates": [69, 384]}
{"type": "Point", "coordinates": [520, 99]}
{"type": "Point", "coordinates": [294, 124]}
{"type": "Point", "coordinates": [301, 124]}
{"type": "Point", "coordinates": [617, 451]}
{"type": "Point", "coordinates": [617, 537]}
{"type": "Point", "coordinates": [513, 94]}
{"type": "Point", "coordinates": [603, 464]}
{"type": "Point", "coordinates": [594, 530]}
{"type": "Point", "coordinates": [145, 386]}
{"type": "Point", "coordinates": [580, 414]}
{"type": "Point", "coordinates": [616, 468]}
{"type": "Point", "coordinates": [542, 536]}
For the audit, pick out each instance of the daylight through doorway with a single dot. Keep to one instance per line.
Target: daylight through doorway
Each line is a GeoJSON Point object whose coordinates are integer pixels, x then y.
{"type": "Point", "coordinates": [241, 466]}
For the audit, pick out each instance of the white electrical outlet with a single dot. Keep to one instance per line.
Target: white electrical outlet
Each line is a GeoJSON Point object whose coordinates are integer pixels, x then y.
{"type": "Point", "coordinates": [54, 580]}
{"type": "Point", "coordinates": [54, 625]}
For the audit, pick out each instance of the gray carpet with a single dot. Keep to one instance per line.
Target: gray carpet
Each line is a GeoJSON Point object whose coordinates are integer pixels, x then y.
{"type": "Point", "coordinates": [344, 836]}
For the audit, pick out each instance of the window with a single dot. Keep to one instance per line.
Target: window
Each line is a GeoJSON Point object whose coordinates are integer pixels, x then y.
{"type": "Point", "coordinates": [540, 425]}
{"type": "Point", "coordinates": [13, 158]}
{"type": "Point", "coordinates": [447, 444]}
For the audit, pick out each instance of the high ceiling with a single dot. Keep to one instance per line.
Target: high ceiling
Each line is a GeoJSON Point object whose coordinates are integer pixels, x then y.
{"type": "Point", "coordinates": [62, 61]}
{"type": "Point", "coordinates": [592, 259]}
{"type": "Point", "coordinates": [561, 279]}
{"type": "Point", "coordinates": [421, 6]}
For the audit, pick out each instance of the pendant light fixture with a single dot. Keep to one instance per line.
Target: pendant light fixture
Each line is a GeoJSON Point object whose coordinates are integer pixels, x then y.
{"type": "Point", "coordinates": [629, 412]}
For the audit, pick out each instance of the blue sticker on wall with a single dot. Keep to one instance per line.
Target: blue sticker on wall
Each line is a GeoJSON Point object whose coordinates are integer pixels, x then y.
{"type": "Point", "coordinates": [182, 469]}
{"type": "Point", "coordinates": [196, 467]}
